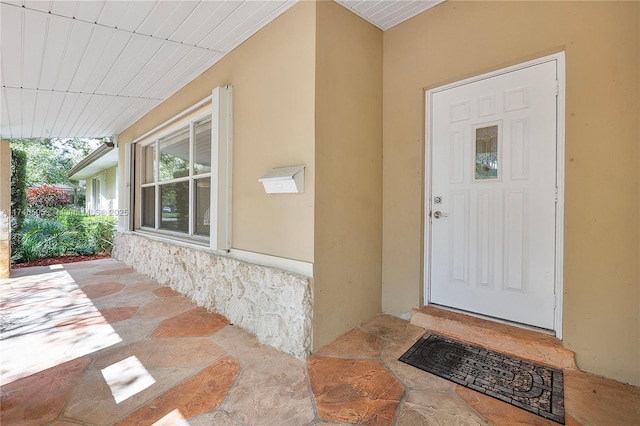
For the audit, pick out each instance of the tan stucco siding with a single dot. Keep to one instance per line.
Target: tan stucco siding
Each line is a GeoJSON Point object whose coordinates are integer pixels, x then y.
{"type": "Point", "coordinates": [272, 75]}
{"type": "Point", "coordinates": [456, 40]}
{"type": "Point", "coordinates": [348, 202]}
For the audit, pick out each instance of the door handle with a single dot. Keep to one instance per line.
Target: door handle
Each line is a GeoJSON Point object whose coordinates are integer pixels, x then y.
{"type": "Point", "coordinates": [438, 214]}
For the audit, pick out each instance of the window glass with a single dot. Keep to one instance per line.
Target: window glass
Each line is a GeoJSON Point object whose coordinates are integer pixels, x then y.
{"type": "Point", "coordinates": [174, 155]}
{"type": "Point", "coordinates": [149, 163]}
{"type": "Point", "coordinates": [175, 206]}
{"type": "Point", "coordinates": [148, 206]}
{"type": "Point", "coordinates": [487, 153]}
{"type": "Point", "coordinates": [202, 196]}
{"type": "Point", "coordinates": [202, 147]}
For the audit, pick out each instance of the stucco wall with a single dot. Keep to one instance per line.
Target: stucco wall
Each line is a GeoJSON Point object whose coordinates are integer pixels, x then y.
{"type": "Point", "coordinates": [348, 202]}
{"type": "Point", "coordinates": [272, 75]}
{"type": "Point", "coordinates": [456, 40]}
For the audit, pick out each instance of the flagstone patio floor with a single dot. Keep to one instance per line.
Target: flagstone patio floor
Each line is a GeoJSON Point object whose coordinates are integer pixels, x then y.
{"type": "Point", "coordinates": [96, 343]}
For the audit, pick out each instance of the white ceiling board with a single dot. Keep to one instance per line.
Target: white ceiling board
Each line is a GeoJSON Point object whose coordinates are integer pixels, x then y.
{"type": "Point", "coordinates": [65, 8]}
{"type": "Point", "coordinates": [28, 101]}
{"type": "Point", "coordinates": [5, 120]}
{"type": "Point", "coordinates": [11, 36]}
{"type": "Point", "coordinates": [133, 58]}
{"type": "Point", "coordinates": [39, 113]}
{"type": "Point", "coordinates": [172, 78]}
{"type": "Point", "coordinates": [77, 104]}
{"type": "Point", "coordinates": [116, 43]}
{"type": "Point", "coordinates": [41, 5]}
{"type": "Point", "coordinates": [13, 102]}
{"type": "Point", "coordinates": [135, 13]}
{"type": "Point", "coordinates": [255, 19]}
{"type": "Point", "coordinates": [96, 61]}
{"type": "Point", "coordinates": [385, 14]}
{"type": "Point", "coordinates": [230, 26]}
{"type": "Point", "coordinates": [33, 51]}
{"type": "Point", "coordinates": [166, 17]}
{"type": "Point", "coordinates": [155, 69]}
{"type": "Point", "coordinates": [72, 68]}
{"type": "Point", "coordinates": [55, 45]}
{"type": "Point", "coordinates": [113, 13]}
{"type": "Point", "coordinates": [75, 49]}
{"type": "Point", "coordinates": [55, 102]}
{"type": "Point", "coordinates": [201, 22]}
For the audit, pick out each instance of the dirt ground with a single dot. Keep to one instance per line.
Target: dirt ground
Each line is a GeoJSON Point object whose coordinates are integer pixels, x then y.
{"type": "Point", "coordinates": [58, 260]}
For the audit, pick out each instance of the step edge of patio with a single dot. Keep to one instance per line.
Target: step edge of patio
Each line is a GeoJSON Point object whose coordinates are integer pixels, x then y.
{"type": "Point", "coordinates": [511, 340]}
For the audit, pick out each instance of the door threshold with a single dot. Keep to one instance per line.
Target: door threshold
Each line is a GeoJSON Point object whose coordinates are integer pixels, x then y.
{"type": "Point", "coordinates": [525, 342]}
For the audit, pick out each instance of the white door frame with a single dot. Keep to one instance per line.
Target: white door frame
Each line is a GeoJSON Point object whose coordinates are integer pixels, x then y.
{"type": "Point", "coordinates": [560, 144]}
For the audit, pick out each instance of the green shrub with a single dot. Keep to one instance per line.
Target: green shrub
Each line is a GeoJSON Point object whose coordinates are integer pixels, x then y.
{"type": "Point", "coordinates": [18, 188]}
{"type": "Point", "coordinates": [70, 234]}
{"type": "Point", "coordinates": [45, 200]}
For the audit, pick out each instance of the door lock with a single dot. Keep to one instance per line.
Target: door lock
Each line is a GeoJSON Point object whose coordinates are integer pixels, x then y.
{"type": "Point", "coordinates": [438, 214]}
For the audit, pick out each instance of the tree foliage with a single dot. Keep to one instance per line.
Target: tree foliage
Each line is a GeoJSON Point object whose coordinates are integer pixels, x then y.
{"type": "Point", "coordinates": [49, 160]}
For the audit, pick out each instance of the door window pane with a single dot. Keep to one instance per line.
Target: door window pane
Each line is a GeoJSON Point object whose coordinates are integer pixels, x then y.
{"type": "Point", "coordinates": [174, 155]}
{"type": "Point", "coordinates": [148, 207]}
{"type": "Point", "coordinates": [202, 147]}
{"type": "Point", "coordinates": [175, 206]}
{"type": "Point", "coordinates": [202, 195]}
{"type": "Point", "coordinates": [487, 153]}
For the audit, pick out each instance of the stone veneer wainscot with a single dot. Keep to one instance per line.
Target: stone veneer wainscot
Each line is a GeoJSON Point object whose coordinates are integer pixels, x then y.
{"type": "Point", "coordinates": [273, 304]}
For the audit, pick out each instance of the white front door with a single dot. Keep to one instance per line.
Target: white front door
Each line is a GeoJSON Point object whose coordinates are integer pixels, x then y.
{"type": "Point", "coordinates": [493, 195]}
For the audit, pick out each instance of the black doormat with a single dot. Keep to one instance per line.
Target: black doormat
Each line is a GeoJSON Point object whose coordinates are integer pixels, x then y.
{"type": "Point", "coordinates": [521, 383]}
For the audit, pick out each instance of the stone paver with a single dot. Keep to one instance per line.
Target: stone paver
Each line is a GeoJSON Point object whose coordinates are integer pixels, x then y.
{"type": "Point", "coordinates": [96, 343]}
{"type": "Point", "coordinates": [193, 323]}
{"type": "Point", "coordinates": [354, 391]}
{"type": "Point", "coordinates": [200, 393]}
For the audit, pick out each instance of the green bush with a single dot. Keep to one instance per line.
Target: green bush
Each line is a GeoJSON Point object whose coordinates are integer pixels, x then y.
{"type": "Point", "coordinates": [71, 233]}
{"type": "Point", "coordinates": [45, 200]}
{"type": "Point", "coordinates": [18, 188]}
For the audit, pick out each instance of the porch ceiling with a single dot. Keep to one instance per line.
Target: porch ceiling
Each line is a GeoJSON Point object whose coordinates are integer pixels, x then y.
{"type": "Point", "coordinates": [77, 68]}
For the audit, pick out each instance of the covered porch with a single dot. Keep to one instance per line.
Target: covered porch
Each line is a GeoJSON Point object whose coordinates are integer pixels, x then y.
{"type": "Point", "coordinates": [97, 343]}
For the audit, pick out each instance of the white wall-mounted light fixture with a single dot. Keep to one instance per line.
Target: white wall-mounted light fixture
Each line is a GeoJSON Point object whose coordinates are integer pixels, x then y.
{"type": "Point", "coordinates": [284, 180]}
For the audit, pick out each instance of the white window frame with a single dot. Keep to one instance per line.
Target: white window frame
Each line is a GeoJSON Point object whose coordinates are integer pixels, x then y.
{"type": "Point", "coordinates": [220, 108]}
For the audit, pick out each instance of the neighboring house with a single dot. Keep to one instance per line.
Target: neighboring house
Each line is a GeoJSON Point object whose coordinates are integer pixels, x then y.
{"type": "Point", "coordinates": [100, 171]}
{"type": "Point", "coordinates": [406, 197]}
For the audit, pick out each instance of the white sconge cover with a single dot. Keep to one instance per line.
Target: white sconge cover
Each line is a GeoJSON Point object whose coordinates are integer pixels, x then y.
{"type": "Point", "coordinates": [284, 180]}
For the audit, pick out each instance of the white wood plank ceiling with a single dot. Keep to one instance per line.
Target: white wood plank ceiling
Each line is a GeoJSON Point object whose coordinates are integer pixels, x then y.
{"type": "Point", "coordinates": [91, 68]}
{"type": "Point", "coordinates": [385, 14]}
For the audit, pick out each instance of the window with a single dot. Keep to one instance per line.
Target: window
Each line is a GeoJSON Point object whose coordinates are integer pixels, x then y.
{"type": "Point", "coordinates": [184, 174]}
{"type": "Point", "coordinates": [95, 195]}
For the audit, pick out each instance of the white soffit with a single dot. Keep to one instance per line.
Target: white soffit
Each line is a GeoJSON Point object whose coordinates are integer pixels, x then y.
{"type": "Point", "coordinates": [91, 68]}
{"type": "Point", "coordinates": [385, 14]}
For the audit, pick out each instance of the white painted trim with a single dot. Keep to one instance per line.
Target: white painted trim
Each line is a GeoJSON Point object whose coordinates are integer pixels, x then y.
{"type": "Point", "coordinates": [290, 265]}
{"type": "Point", "coordinates": [221, 157]}
{"type": "Point", "coordinates": [559, 58]}
{"type": "Point", "coordinates": [172, 120]}
{"type": "Point", "coordinates": [560, 172]}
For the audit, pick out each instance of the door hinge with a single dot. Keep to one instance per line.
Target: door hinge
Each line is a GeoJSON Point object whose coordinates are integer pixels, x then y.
{"type": "Point", "coordinates": [556, 195]}
{"type": "Point", "coordinates": [557, 87]}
